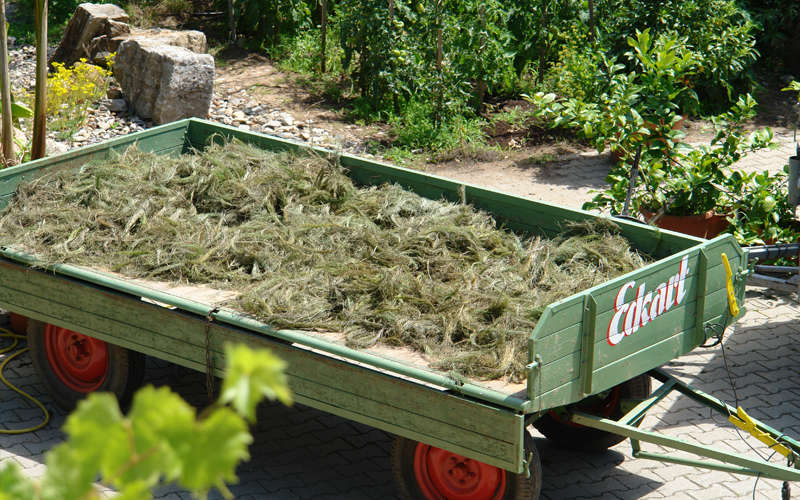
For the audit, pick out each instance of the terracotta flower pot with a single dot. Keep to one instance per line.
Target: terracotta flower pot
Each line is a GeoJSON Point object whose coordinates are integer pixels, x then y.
{"type": "Point", "coordinates": [708, 225]}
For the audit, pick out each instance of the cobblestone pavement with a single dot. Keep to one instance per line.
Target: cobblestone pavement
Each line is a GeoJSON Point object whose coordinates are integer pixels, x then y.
{"type": "Point", "coordinates": [303, 453]}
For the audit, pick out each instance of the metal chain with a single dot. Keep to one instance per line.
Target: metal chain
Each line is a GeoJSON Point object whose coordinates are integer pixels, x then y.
{"type": "Point", "coordinates": [209, 367]}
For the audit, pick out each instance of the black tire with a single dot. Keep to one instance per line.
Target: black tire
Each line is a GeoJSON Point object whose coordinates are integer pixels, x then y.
{"type": "Point", "coordinates": [517, 486]}
{"type": "Point", "coordinates": [123, 376]}
{"type": "Point", "coordinates": [580, 438]}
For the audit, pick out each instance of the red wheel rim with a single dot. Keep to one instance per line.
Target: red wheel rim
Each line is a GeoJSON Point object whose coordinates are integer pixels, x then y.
{"type": "Point", "coordinates": [442, 475]}
{"type": "Point", "coordinates": [604, 407]}
{"type": "Point", "coordinates": [79, 362]}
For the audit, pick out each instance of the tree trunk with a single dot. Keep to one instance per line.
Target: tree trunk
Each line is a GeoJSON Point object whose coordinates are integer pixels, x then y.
{"type": "Point", "coordinates": [40, 103]}
{"type": "Point", "coordinates": [232, 19]}
{"type": "Point", "coordinates": [5, 92]}
{"type": "Point", "coordinates": [591, 20]}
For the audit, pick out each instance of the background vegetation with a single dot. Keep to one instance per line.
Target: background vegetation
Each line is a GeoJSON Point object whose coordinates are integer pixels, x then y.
{"type": "Point", "coordinates": [431, 67]}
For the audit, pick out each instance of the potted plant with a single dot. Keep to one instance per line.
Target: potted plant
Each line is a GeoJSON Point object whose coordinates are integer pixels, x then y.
{"type": "Point", "coordinates": [694, 189]}
{"type": "Point", "coordinates": [676, 183]}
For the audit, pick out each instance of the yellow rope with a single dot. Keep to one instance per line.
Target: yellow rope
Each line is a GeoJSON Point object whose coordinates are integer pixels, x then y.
{"type": "Point", "coordinates": [5, 333]}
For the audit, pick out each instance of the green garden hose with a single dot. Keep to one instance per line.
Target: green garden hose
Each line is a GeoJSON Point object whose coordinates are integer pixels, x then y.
{"type": "Point", "coordinates": [7, 334]}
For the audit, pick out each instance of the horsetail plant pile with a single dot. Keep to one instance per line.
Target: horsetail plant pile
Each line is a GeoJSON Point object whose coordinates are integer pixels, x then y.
{"type": "Point", "coordinates": [309, 250]}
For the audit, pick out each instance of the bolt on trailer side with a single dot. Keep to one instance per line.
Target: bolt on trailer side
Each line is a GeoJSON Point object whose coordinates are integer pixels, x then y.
{"type": "Point", "coordinates": [572, 352]}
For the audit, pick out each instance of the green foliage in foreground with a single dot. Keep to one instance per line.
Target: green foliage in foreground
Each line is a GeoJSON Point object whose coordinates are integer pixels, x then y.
{"type": "Point", "coordinates": [161, 439]}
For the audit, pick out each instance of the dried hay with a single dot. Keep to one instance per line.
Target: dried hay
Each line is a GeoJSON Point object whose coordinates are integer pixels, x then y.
{"type": "Point", "coordinates": [309, 250]}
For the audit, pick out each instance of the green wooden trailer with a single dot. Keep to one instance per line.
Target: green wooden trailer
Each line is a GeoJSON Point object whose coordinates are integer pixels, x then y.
{"type": "Point", "coordinates": [589, 355]}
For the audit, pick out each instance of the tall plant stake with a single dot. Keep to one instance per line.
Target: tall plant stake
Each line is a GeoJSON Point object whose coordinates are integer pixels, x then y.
{"type": "Point", "coordinates": [395, 101]}
{"type": "Point", "coordinates": [439, 30]}
{"type": "Point", "coordinates": [481, 79]}
{"type": "Point", "coordinates": [5, 92]}
{"type": "Point", "coordinates": [323, 25]}
{"type": "Point", "coordinates": [40, 103]}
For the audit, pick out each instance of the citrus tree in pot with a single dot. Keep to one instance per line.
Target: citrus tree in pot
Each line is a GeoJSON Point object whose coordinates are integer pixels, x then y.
{"type": "Point", "coordinates": [695, 190]}
{"type": "Point", "coordinates": [675, 182]}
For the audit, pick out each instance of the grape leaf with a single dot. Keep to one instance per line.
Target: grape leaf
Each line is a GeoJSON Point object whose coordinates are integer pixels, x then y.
{"type": "Point", "coordinates": [221, 440]}
{"type": "Point", "coordinates": [161, 421]}
{"type": "Point", "coordinates": [98, 433]}
{"type": "Point", "coordinates": [14, 485]}
{"type": "Point", "coordinates": [251, 376]}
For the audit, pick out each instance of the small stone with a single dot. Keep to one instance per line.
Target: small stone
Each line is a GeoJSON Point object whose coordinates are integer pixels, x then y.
{"type": "Point", "coordinates": [227, 120]}
{"type": "Point", "coordinates": [234, 101]}
{"type": "Point", "coordinates": [274, 124]}
{"type": "Point", "coordinates": [228, 111]}
{"type": "Point", "coordinates": [114, 93]}
{"type": "Point", "coordinates": [239, 115]}
{"type": "Point", "coordinates": [255, 110]}
{"type": "Point", "coordinates": [305, 136]}
{"type": "Point", "coordinates": [235, 123]}
{"type": "Point", "coordinates": [115, 105]}
{"type": "Point", "coordinates": [251, 104]}
{"type": "Point", "coordinates": [286, 120]}
{"type": "Point", "coordinates": [104, 125]}
{"type": "Point", "coordinates": [244, 127]}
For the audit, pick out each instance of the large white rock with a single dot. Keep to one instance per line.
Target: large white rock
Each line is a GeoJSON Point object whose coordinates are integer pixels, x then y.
{"type": "Point", "coordinates": [88, 22]}
{"type": "Point", "coordinates": [162, 82]}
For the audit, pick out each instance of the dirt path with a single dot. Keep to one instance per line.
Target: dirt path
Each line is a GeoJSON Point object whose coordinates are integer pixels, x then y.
{"type": "Point", "coordinates": [533, 162]}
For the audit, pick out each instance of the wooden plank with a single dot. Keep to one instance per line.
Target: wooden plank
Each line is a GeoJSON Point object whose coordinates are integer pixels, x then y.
{"type": "Point", "coordinates": [152, 329]}
{"type": "Point", "coordinates": [566, 370]}
{"type": "Point", "coordinates": [522, 215]}
{"type": "Point", "coordinates": [166, 139]}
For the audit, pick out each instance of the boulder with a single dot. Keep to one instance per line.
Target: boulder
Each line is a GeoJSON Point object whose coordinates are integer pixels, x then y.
{"type": "Point", "coordinates": [96, 31]}
{"type": "Point", "coordinates": [164, 82]}
{"type": "Point", "coordinates": [88, 22]}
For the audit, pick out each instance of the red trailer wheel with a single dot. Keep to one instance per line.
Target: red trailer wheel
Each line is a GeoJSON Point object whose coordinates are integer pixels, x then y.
{"type": "Point", "coordinates": [424, 472]}
{"type": "Point", "coordinates": [442, 474]}
{"type": "Point", "coordinates": [71, 365]}
{"type": "Point", "coordinates": [79, 362]}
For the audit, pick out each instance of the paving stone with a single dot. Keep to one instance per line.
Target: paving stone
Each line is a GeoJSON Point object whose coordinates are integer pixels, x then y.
{"type": "Point", "coordinates": [567, 493]}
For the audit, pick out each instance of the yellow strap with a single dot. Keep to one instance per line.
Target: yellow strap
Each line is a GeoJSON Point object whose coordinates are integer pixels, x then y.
{"type": "Point", "coordinates": [732, 305]}
{"type": "Point", "coordinates": [746, 423]}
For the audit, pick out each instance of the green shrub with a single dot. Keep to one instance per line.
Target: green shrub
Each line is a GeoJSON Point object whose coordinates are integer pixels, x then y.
{"type": "Point", "coordinates": [719, 33]}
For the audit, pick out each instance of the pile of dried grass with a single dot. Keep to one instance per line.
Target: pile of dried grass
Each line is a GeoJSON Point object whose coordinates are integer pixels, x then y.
{"type": "Point", "coordinates": [309, 250]}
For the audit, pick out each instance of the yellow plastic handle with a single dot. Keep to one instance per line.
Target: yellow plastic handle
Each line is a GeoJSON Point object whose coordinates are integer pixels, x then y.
{"type": "Point", "coordinates": [743, 421]}
{"type": "Point", "coordinates": [732, 305]}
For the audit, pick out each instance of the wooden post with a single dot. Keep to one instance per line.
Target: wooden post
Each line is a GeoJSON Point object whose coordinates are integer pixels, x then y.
{"type": "Point", "coordinates": [395, 100]}
{"type": "Point", "coordinates": [5, 91]}
{"type": "Point", "coordinates": [38, 149]}
{"type": "Point", "coordinates": [323, 22]}
{"type": "Point", "coordinates": [591, 20]}
{"type": "Point", "coordinates": [543, 41]}
{"type": "Point", "coordinates": [232, 20]}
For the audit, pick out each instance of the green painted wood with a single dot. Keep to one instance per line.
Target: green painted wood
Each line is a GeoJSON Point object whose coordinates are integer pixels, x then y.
{"type": "Point", "coordinates": [166, 139]}
{"type": "Point", "coordinates": [675, 339]}
{"type": "Point", "coordinates": [702, 290]}
{"type": "Point", "coordinates": [565, 340]}
{"type": "Point", "coordinates": [63, 299]}
{"type": "Point", "coordinates": [588, 332]}
{"type": "Point", "coordinates": [489, 433]}
{"type": "Point", "coordinates": [522, 215]}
